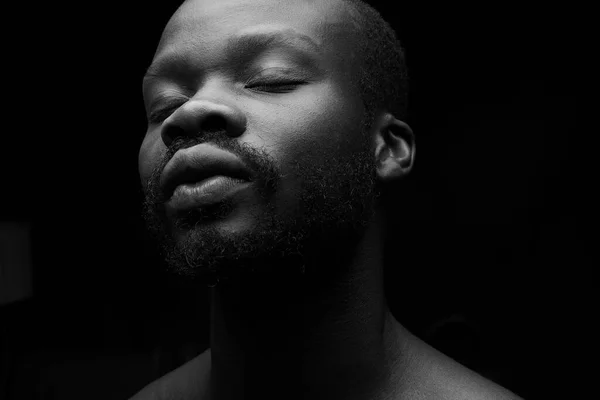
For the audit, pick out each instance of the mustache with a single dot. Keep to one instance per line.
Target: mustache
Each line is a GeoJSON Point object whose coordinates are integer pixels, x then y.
{"type": "Point", "coordinates": [216, 139]}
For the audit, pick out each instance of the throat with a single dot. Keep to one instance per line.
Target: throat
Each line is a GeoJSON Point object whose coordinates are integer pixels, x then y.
{"type": "Point", "coordinates": [324, 334]}
{"type": "Point", "coordinates": [319, 350]}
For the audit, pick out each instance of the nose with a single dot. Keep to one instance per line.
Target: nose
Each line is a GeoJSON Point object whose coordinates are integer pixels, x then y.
{"type": "Point", "coordinates": [197, 116]}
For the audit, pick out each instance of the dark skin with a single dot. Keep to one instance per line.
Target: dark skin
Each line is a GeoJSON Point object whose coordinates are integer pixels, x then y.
{"type": "Point", "coordinates": [299, 311]}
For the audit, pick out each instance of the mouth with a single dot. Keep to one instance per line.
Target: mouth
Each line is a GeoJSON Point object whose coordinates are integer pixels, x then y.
{"type": "Point", "coordinates": [204, 193]}
{"type": "Point", "coordinates": [197, 166]}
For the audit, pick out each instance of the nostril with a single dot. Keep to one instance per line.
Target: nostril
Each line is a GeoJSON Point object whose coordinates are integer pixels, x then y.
{"type": "Point", "coordinates": [214, 122]}
{"type": "Point", "coordinates": [171, 132]}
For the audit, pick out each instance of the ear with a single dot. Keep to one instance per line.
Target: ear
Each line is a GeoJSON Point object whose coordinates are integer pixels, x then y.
{"type": "Point", "coordinates": [394, 148]}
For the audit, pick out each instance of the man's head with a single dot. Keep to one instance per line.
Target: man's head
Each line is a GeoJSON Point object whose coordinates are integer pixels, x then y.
{"type": "Point", "coordinates": [313, 119]}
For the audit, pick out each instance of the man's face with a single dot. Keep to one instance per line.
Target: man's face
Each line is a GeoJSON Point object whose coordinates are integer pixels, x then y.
{"type": "Point", "coordinates": [307, 143]}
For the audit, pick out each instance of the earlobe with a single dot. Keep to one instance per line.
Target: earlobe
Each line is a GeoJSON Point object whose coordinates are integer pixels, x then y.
{"type": "Point", "coordinates": [394, 149]}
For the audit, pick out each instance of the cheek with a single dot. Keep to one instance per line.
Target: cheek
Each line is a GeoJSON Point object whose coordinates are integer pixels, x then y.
{"type": "Point", "coordinates": [306, 139]}
{"type": "Point", "coordinates": [146, 158]}
{"type": "Point", "coordinates": [318, 124]}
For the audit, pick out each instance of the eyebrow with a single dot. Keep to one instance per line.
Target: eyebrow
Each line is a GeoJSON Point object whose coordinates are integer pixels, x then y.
{"type": "Point", "coordinates": [240, 47]}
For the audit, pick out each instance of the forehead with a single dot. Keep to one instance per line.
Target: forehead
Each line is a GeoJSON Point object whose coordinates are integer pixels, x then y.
{"type": "Point", "coordinates": [204, 27]}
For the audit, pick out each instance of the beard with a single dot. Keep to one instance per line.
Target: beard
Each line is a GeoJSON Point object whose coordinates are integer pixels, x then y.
{"type": "Point", "coordinates": [337, 200]}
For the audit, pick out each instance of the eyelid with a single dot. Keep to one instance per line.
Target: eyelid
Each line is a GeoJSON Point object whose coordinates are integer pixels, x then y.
{"type": "Point", "coordinates": [283, 73]}
{"type": "Point", "coordinates": [166, 101]}
{"type": "Point", "coordinates": [162, 105]}
{"type": "Point", "coordinates": [275, 81]}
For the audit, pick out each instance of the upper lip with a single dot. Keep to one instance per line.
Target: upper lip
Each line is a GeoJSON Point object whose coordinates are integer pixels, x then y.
{"type": "Point", "coordinates": [198, 163]}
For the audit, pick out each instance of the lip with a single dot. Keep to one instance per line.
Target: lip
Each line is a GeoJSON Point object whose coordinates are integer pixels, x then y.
{"type": "Point", "coordinates": [198, 163]}
{"type": "Point", "coordinates": [204, 193]}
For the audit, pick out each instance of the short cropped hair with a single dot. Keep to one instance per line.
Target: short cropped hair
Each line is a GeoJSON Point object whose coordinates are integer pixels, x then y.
{"type": "Point", "coordinates": [383, 79]}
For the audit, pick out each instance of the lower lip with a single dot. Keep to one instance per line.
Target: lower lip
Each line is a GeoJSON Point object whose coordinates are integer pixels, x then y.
{"type": "Point", "coordinates": [204, 193]}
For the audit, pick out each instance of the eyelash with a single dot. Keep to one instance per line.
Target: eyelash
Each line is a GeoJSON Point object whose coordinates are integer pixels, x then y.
{"type": "Point", "coordinates": [156, 117]}
{"type": "Point", "coordinates": [160, 115]}
{"type": "Point", "coordinates": [276, 83]}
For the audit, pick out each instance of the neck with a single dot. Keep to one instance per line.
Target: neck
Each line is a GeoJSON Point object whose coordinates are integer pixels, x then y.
{"type": "Point", "coordinates": [307, 338]}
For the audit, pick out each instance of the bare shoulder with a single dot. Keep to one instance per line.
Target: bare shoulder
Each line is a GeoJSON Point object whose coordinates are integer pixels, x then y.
{"type": "Point", "coordinates": [189, 381]}
{"type": "Point", "coordinates": [484, 389]}
{"type": "Point", "coordinates": [465, 387]}
{"type": "Point", "coordinates": [455, 381]}
{"type": "Point", "coordinates": [434, 375]}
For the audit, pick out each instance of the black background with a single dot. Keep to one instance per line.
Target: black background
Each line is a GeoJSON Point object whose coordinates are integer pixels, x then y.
{"type": "Point", "coordinates": [493, 228]}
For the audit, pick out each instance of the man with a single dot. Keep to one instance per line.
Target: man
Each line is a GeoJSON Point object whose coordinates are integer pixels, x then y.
{"type": "Point", "coordinates": [269, 145]}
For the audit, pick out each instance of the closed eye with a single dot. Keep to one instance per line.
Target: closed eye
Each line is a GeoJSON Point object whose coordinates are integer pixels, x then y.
{"type": "Point", "coordinates": [159, 115]}
{"type": "Point", "coordinates": [276, 86]}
